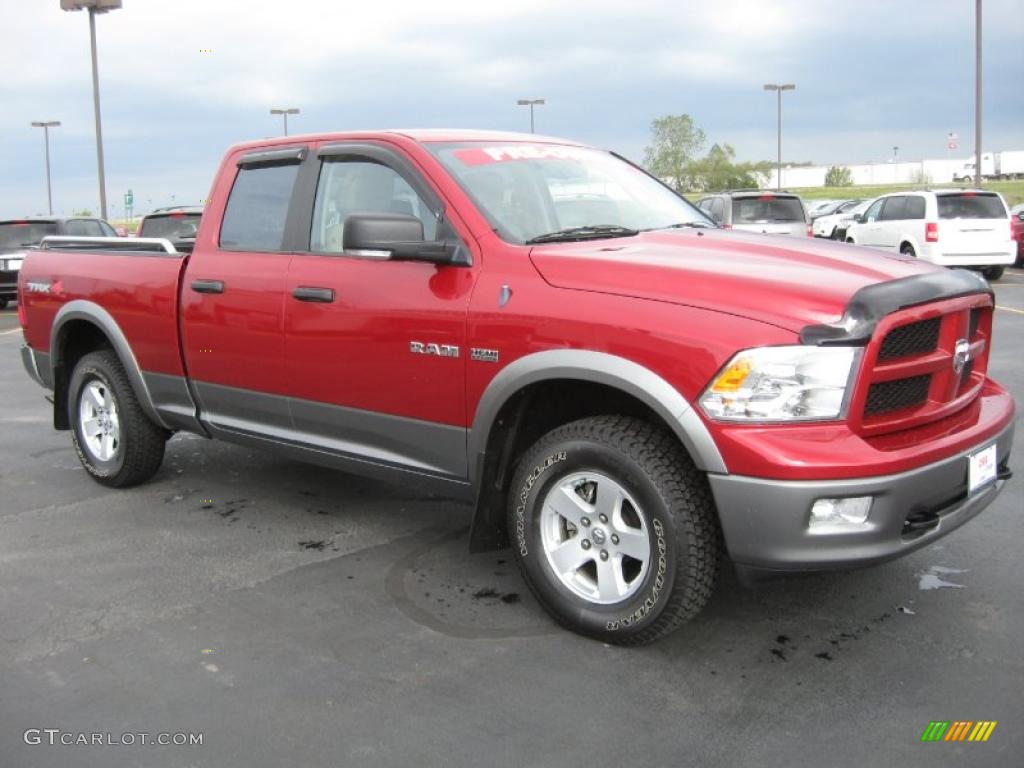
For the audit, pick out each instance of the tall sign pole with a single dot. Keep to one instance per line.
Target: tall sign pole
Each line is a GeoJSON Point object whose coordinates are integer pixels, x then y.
{"type": "Point", "coordinates": [977, 93]}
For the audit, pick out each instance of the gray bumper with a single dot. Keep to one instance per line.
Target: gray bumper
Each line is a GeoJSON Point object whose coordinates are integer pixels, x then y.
{"type": "Point", "coordinates": [765, 522]}
{"type": "Point", "coordinates": [38, 366]}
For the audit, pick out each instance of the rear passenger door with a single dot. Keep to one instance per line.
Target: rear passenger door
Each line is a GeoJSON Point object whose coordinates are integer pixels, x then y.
{"type": "Point", "coordinates": [892, 218]}
{"type": "Point", "coordinates": [232, 297]}
{"type": "Point", "coordinates": [357, 328]}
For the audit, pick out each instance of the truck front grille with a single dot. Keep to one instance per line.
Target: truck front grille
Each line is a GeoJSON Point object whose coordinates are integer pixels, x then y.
{"type": "Point", "coordinates": [912, 374]}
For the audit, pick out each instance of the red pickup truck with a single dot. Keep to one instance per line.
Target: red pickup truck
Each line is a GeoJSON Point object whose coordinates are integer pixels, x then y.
{"type": "Point", "coordinates": [543, 328]}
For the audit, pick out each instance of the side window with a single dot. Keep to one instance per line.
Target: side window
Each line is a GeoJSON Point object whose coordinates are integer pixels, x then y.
{"type": "Point", "coordinates": [871, 214]}
{"type": "Point", "coordinates": [257, 208]}
{"type": "Point", "coordinates": [915, 208]}
{"type": "Point", "coordinates": [83, 228]}
{"type": "Point", "coordinates": [361, 186]}
{"type": "Point", "coordinates": [895, 208]}
{"type": "Point", "coordinates": [106, 230]}
{"type": "Point", "coordinates": [718, 210]}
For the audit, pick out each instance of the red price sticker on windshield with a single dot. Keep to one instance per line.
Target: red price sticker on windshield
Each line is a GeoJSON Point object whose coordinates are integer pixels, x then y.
{"type": "Point", "coordinates": [518, 152]}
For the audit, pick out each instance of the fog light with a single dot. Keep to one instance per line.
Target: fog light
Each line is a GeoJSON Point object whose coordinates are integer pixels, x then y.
{"type": "Point", "coordinates": [837, 515]}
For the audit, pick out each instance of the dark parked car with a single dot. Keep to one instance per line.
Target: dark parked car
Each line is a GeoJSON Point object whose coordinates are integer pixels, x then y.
{"type": "Point", "coordinates": [178, 224]}
{"type": "Point", "coordinates": [18, 234]}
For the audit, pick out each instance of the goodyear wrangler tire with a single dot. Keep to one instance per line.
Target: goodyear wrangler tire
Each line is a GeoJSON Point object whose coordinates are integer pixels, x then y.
{"type": "Point", "coordinates": [614, 529]}
{"type": "Point", "coordinates": [115, 441]}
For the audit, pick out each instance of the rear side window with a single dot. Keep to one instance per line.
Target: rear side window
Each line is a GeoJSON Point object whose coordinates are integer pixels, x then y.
{"type": "Point", "coordinates": [895, 209]}
{"type": "Point", "coordinates": [257, 209]}
{"type": "Point", "coordinates": [915, 208]}
{"type": "Point", "coordinates": [971, 205]}
{"type": "Point", "coordinates": [173, 226]}
{"type": "Point", "coordinates": [750, 210]}
{"type": "Point", "coordinates": [21, 234]}
{"type": "Point", "coordinates": [83, 228]}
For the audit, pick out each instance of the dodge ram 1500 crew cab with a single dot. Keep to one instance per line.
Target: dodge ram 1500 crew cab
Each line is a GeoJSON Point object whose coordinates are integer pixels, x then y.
{"type": "Point", "coordinates": [619, 386]}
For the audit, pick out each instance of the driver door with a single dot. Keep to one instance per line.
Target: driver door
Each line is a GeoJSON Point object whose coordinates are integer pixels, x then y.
{"type": "Point", "coordinates": [356, 328]}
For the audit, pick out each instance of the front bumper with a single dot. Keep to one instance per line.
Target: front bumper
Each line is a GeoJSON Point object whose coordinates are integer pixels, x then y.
{"type": "Point", "coordinates": [765, 522]}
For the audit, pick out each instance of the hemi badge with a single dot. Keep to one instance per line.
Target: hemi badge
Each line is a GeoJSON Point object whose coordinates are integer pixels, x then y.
{"type": "Point", "coordinates": [483, 355]}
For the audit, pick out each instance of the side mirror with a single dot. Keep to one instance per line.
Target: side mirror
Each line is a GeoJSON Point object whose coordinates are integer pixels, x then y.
{"type": "Point", "coordinates": [859, 218]}
{"type": "Point", "coordinates": [397, 236]}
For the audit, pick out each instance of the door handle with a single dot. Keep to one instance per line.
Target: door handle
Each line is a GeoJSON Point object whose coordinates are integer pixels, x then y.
{"type": "Point", "coordinates": [208, 286]}
{"type": "Point", "coordinates": [313, 294]}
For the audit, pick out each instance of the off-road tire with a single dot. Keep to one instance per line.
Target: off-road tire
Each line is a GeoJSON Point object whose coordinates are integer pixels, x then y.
{"type": "Point", "coordinates": [653, 467]}
{"type": "Point", "coordinates": [140, 449]}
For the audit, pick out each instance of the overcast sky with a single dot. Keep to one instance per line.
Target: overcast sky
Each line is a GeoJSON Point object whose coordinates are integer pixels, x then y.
{"type": "Point", "coordinates": [183, 79]}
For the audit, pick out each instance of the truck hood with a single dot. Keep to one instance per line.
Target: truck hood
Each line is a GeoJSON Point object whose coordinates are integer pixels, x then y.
{"type": "Point", "coordinates": [785, 281]}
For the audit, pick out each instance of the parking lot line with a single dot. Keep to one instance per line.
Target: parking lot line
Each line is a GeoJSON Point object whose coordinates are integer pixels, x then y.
{"type": "Point", "coordinates": [12, 330]}
{"type": "Point", "coordinates": [1011, 309]}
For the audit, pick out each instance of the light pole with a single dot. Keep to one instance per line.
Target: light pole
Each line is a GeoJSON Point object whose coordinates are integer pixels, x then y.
{"type": "Point", "coordinates": [895, 150]}
{"type": "Point", "coordinates": [284, 113]}
{"type": "Point", "coordinates": [779, 88]}
{"type": "Point", "coordinates": [94, 7]}
{"type": "Point", "coordinates": [977, 93]}
{"type": "Point", "coordinates": [531, 103]}
{"type": "Point", "coordinates": [46, 125]}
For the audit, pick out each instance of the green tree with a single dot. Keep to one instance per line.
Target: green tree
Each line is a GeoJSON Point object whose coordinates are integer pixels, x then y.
{"type": "Point", "coordinates": [675, 141]}
{"type": "Point", "coordinates": [83, 212]}
{"type": "Point", "coordinates": [838, 176]}
{"type": "Point", "coordinates": [719, 170]}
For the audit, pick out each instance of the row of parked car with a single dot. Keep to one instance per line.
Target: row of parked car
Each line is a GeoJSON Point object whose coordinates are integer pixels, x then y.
{"type": "Point", "coordinates": [950, 227]}
{"type": "Point", "coordinates": [176, 223]}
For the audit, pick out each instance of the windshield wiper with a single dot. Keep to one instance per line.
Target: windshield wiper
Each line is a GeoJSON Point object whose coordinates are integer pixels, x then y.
{"type": "Point", "coordinates": [685, 224]}
{"type": "Point", "coordinates": [589, 232]}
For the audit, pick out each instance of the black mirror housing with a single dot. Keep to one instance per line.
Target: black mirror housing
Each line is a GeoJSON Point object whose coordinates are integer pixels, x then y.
{"type": "Point", "coordinates": [400, 237]}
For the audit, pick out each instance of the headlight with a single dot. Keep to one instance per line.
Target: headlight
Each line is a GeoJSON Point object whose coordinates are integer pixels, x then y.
{"type": "Point", "coordinates": [781, 384]}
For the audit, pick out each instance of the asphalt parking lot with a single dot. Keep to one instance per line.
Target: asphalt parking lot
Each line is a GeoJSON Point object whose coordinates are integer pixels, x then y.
{"type": "Point", "coordinates": [296, 616]}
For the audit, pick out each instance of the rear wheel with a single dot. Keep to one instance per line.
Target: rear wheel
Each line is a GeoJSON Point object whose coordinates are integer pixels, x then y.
{"type": "Point", "coordinates": [614, 529]}
{"type": "Point", "coordinates": [908, 250]}
{"type": "Point", "coordinates": [993, 273]}
{"type": "Point", "coordinates": [116, 442]}
{"type": "Point", "coordinates": [835, 234]}
{"type": "Point", "coordinates": [4, 303]}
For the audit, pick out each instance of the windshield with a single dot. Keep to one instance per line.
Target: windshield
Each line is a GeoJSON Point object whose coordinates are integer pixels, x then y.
{"type": "Point", "coordinates": [530, 191]}
{"type": "Point", "coordinates": [971, 205]}
{"type": "Point", "coordinates": [22, 234]}
{"type": "Point", "coordinates": [766, 208]}
{"type": "Point", "coordinates": [173, 226]}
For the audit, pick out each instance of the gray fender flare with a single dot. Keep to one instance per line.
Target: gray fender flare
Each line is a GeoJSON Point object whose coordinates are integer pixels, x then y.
{"type": "Point", "coordinates": [601, 368]}
{"type": "Point", "coordinates": [80, 309]}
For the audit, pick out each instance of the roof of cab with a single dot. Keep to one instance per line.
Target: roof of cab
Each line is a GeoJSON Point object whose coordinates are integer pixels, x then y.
{"type": "Point", "coordinates": [420, 135]}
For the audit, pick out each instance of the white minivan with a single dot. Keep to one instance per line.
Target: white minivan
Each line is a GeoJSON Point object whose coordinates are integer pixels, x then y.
{"type": "Point", "coordinates": [953, 228]}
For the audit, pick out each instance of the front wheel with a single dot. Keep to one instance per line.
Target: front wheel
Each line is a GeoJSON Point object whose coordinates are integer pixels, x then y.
{"type": "Point", "coordinates": [116, 442]}
{"type": "Point", "coordinates": [4, 303]}
{"type": "Point", "coordinates": [993, 273]}
{"type": "Point", "coordinates": [614, 529]}
{"type": "Point", "coordinates": [851, 241]}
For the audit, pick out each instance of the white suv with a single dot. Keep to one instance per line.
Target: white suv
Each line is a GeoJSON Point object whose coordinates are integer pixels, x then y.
{"type": "Point", "coordinates": [953, 228]}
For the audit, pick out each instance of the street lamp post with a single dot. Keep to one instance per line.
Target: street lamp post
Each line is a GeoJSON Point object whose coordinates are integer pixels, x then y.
{"type": "Point", "coordinates": [94, 7]}
{"type": "Point", "coordinates": [531, 103]}
{"type": "Point", "coordinates": [895, 151]}
{"type": "Point", "coordinates": [779, 88]}
{"type": "Point", "coordinates": [46, 125]}
{"type": "Point", "coordinates": [284, 112]}
{"type": "Point", "coordinates": [977, 93]}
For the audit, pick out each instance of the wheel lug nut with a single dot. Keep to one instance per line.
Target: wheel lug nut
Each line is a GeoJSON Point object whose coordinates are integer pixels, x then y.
{"type": "Point", "coordinates": [585, 521]}
{"type": "Point", "coordinates": [615, 538]}
{"type": "Point", "coordinates": [604, 554]}
{"type": "Point", "coordinates": [585, 543]}
{"type": "Point", "coordinates": [603, 518]}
